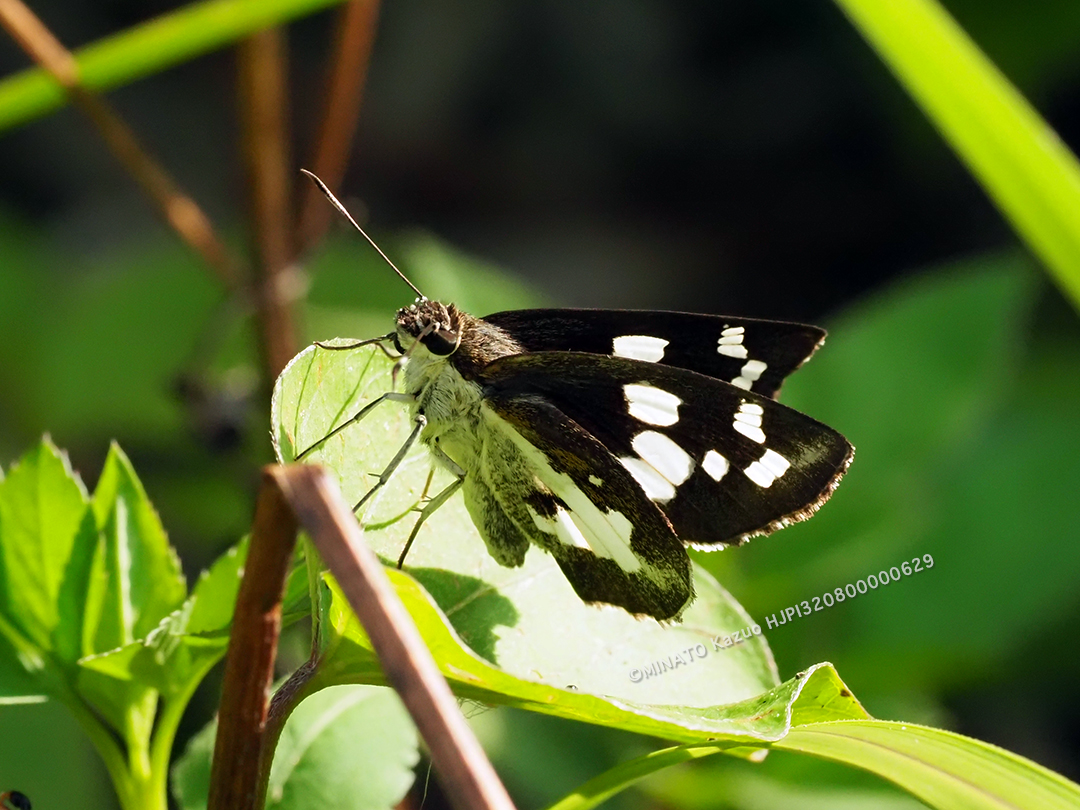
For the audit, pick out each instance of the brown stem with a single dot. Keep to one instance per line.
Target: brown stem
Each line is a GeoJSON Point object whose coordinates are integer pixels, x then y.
{"type": "Point", "coordinates": [354, 34]}
{"type": "Point", "coordinates": [464, 770]}
{"type": "Point", "coordinates": [306, 495]}
{"type": "Point", "coordinates": [263, 110]}
{"type": "Point", "coordinates": [179, 210]}
{"type": "Point", "coordinates": [235, 782]}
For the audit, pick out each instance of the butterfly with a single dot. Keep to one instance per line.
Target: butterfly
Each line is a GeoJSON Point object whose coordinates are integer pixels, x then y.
{"type": "Point", "coordinates": [611, 439]}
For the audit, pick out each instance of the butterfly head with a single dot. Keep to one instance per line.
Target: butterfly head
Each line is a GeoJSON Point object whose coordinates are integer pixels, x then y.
{"type": "Point", "coordinates": [435, 325]}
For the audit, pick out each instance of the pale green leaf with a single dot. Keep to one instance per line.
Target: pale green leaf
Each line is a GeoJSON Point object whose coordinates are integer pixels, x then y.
{"type": "Point", "coordinates": [504, 614]}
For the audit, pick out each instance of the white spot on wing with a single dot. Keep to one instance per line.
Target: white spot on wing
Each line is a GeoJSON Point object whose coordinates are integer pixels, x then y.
{"type": "Point", "coordinates": [757, 473]}
{"type": "Point", "coordinates": [715, 465]}
{"type": "Point", "coordinates": [775, 463]}
{"type": "Point", "coordinates": [607, 533]}
{"type": "Point", "coordinates": [596, 482]}
{"type": "Point", "coordinates": [657, 488]}
{"type": "Point", "coordinates": [731, 342]}
{"type": "Point", "coordinates": [568, 532]}
{"type": "Point", "coordinates": [750, 373]}
{"type": "Point", "coordinates": [748, 422]}
{"type": "Point", "coordinates": [767, 469]}
{"type": "Point", "coordinates": [663, 455]}
{"type": "Point", "coordinates": [652, 405]}
{"type": "Point", "coordinates": [640, 347]}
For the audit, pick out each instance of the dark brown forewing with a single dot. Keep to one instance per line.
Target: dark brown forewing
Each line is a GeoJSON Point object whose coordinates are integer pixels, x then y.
{"type": "Point", "coordinates": [692, 339]}
{"type": "Point", "coordinates": [662, 588]}
{"type": "Point", "coordinates": [590, 390]}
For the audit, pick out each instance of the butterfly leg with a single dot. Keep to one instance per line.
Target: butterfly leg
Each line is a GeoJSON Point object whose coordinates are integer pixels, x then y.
{"type": "Point", "coordinates": [432, 505]}
{"type": "Point", "coordinates": [379, 341]}
{"type": "Point", "coordinates": [392, 396]}
{"type": "Point", "coordinates": [420, 422]}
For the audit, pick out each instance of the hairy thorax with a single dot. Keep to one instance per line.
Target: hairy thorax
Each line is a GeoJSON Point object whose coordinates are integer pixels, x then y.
{"type": "Point", "coordinates": [450, 403]}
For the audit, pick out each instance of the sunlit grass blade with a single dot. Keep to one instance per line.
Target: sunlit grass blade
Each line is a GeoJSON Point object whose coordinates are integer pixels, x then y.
{"type": "Point", "coordinates": [942, 769]}
{"type": "Point", "coordinates": [148, 48]}
{"type": "Point", "coordinates": [1028, 172]}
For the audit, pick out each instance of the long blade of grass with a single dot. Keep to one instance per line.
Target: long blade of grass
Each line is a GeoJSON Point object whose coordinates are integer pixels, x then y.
{"type": "Point", "coordinates": [148, 48]}
{"type": "Point", "coordinates": [945, 770]}
{"type": "Point", "coordinates": [1028, 172]}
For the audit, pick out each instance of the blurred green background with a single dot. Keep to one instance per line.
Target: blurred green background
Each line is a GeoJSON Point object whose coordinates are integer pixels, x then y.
{"type": "Point", "coordinates": [752, 159]}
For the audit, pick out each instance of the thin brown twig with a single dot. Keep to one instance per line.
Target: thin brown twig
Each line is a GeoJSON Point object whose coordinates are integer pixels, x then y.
{"type": "Point", "coordinates": [465, 773]}
{"type": "Point", "coordinates": [179, 210]}
{"type": "Point", "coordinates": [305, 496]}
{"type": "Point", "coordinates": [354, 35]}
{"type": "Point", "coordinates": [236, 781]}
{"type": "Point", "coordinates": [263, 110]}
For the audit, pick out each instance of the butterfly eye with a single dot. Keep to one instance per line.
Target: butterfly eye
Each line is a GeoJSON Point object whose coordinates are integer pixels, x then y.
{"type": "Point", "coordinates": [397, 344]}
{"type": "Point", "coordinates": [442, 342]}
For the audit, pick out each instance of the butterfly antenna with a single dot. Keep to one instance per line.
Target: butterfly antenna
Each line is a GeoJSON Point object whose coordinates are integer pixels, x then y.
{"type": "Point", "coordinates": [341, 208]}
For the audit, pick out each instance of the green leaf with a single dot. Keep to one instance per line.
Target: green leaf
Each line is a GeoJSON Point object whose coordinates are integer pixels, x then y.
{"type": "Point", "coordinates": [191, 773]}
{"type": "Point", "coordinates": [369, 723]}
{"type": "Point", "coordinates": [365, 726]}
{"type": "Point", "coordinates": [904, 433]}
{"type": "Point", "coordinates": [21, 666]}
{"type": "Point", "coordinates": [147, 49]}
{"type": "Point", "coordinates": [140, 581]}
{"type": "Point", "coordinates": [1029, 173]}
{"type": "Point", "coordinates": [817, 695]}
{"type": "Point", "coordinates": [943, 769]}
{"type": "Point", "coordinates": [477, 286]}
{"type": "Point", "coordinates": [964, 422]}
{"type": "Point", "coordinates": [504, 614]}
{"type": "Point", "coordinates": [783, 780]}
{"type": "Point", "coordinates": [213, 599]}
{"type": "Point", "coordinates": [45, 547]}
{"type": "Point", "coordinates": [176, 655]}
{"type": "Point", "coordinates": [764, 716]}
{"type": "Point", "coordinates": [137, 583]}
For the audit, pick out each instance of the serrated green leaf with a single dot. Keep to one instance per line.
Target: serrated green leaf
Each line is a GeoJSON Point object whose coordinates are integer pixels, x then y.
{"type": "Point", "coordinates": [214, 596]}
{"type": "Point", "coordinates": [139, 579]}
{"type": "Point", "coordinates": [176, 655]}
{"type": "Point", "coordinates": [44, 548]}
{"type": "Point", "coordinates": [504, 614]}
